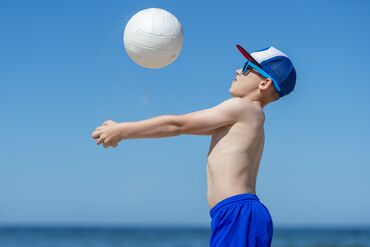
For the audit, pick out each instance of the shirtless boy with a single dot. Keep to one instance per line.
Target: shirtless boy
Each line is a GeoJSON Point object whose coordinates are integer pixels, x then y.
{"type": "Point", "coordinates": [238, 218]}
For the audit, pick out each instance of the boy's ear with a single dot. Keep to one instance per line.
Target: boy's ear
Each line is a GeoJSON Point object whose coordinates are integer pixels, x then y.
{"type": "Point", "coordinates": [265, 84]}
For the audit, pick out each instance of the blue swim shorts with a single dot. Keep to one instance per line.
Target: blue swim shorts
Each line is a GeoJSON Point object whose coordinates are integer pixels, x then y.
{"type": "Point", "coordinates": [241, 220]}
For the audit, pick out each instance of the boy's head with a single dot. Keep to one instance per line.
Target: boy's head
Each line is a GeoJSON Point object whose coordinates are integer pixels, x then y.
{"type": "Point", "coordinates": [267, 75]}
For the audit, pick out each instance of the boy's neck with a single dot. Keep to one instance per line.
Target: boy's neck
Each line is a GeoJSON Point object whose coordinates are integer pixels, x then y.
{"type": "Point", "coordinates": [257, 101]}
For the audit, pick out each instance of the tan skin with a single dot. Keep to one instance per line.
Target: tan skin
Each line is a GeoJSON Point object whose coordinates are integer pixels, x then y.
{"type": "Point", "coordinates": [236, 126]}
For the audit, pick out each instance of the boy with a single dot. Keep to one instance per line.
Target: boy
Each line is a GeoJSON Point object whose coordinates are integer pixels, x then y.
{"type": "Point", "coordinates": [236, 125]}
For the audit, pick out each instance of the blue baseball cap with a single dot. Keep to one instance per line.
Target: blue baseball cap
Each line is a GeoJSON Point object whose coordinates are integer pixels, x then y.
{"type": "Point", "coordinates": [277, 64]}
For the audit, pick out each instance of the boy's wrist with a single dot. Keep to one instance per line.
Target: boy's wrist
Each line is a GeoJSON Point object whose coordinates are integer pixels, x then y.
{"type": "Point", "coordinates": [122, 127]}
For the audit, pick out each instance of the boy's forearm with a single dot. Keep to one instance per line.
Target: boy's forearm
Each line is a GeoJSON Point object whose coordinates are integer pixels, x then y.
{"type": "Point", "coordinates": [160, 126]}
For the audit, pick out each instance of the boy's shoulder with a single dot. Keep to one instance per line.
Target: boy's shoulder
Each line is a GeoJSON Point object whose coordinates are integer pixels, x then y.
{"type": "Point", "coordinates": [247, 109]}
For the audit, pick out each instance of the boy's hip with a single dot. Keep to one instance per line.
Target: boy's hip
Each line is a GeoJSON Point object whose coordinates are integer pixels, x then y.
{"type": "Point", "coordinates": [241, 220]}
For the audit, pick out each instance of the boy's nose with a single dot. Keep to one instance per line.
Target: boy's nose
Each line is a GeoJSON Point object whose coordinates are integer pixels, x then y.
{"type": "Point", "coordinates": [238, 71]}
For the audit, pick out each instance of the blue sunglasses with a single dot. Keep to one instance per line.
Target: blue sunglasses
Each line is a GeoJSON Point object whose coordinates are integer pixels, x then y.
{"type": "Point", "coordinates": [260, 71]}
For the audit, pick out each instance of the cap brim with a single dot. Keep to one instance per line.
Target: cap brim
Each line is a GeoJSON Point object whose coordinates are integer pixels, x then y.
{"type": "Point", "coordinates": [247, 55]}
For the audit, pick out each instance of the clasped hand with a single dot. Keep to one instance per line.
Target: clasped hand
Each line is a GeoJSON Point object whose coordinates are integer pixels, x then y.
{"type": "Point", "coordinates": [109, 134]}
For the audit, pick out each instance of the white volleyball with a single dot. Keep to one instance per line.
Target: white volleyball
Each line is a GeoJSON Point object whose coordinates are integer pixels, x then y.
{"type": "Point", "coordinates": [153, 38]}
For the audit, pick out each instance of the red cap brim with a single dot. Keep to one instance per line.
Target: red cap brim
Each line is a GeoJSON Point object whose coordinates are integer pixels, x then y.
{"type": "Point", "coordinates": [247, 55]}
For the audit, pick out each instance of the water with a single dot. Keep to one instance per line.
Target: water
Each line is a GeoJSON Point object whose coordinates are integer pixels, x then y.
{"type": "Point", "coordinates": [171, 237]}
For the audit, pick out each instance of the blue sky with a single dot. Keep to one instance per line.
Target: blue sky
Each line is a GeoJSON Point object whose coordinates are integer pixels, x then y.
{"type": "Point", "coordinates": [64, 71]}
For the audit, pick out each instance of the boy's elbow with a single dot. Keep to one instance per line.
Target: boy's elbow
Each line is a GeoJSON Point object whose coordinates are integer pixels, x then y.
{"type": "Point", "coordinates": [187, 129]}
{"type": "Point", "coordinates": [185, 125]}
{"type": "Point", "coordinates": [182, 130]}
{"type": "Point", "coordinates": [175, 127]}
{"type": "Point", "coordinates": [178, 125]}
{"type": "Point", "coordinates": [174, 130]}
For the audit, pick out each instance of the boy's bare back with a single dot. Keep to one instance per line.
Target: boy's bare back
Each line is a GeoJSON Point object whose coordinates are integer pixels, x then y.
{"type": "Point", "coordinates": [234, 155]}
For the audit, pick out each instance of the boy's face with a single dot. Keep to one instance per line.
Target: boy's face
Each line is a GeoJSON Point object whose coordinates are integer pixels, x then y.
{"type": "Point", "coordinates": [244, 84]}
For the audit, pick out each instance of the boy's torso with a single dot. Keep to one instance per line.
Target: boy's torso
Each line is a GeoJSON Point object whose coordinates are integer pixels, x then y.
{"type": "Point", "coordinates": [234, 157]}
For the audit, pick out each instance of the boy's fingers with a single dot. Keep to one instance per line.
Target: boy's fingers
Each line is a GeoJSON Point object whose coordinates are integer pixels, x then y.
{"type": "Point", "coordinates": [107, 122]}
{"type": "Point", "coordinates": [100, 140]}
{"type": "Point", "coordinates": [95, 134]}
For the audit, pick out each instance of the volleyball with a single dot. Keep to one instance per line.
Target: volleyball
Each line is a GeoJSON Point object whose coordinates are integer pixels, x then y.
{"type": "Point", "coordinates": [153, 38]}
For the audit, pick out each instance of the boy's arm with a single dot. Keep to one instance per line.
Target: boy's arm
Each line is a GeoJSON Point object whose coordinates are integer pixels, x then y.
{"type": "Point", "coordinates": [200, 122]}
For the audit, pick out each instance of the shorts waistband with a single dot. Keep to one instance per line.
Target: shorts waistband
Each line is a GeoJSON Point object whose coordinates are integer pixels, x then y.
{"type": "Point", "coordinates": [232, 199]}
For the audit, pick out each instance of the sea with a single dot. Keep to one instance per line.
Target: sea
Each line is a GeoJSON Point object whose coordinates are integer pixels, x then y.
{"type": "Point", "coordinates": [52, 236]}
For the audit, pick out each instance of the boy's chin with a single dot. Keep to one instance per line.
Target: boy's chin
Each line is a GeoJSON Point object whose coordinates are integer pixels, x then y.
{"type": "Point", "coordinates": [232, 94]}
{"type": "Point", "coordinates": [232, 90]}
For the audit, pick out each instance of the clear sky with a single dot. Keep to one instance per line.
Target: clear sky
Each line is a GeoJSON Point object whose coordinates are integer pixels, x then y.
{"type": "Point", "coordinates": [64, 71]}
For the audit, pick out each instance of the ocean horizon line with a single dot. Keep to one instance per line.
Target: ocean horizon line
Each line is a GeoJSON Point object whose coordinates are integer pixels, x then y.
{"type": "Point", "coordinates": [170, 226]}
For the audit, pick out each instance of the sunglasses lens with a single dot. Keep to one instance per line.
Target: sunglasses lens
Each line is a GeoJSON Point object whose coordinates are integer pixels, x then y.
{"type": "Point", "coordinates": [245, 68]}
